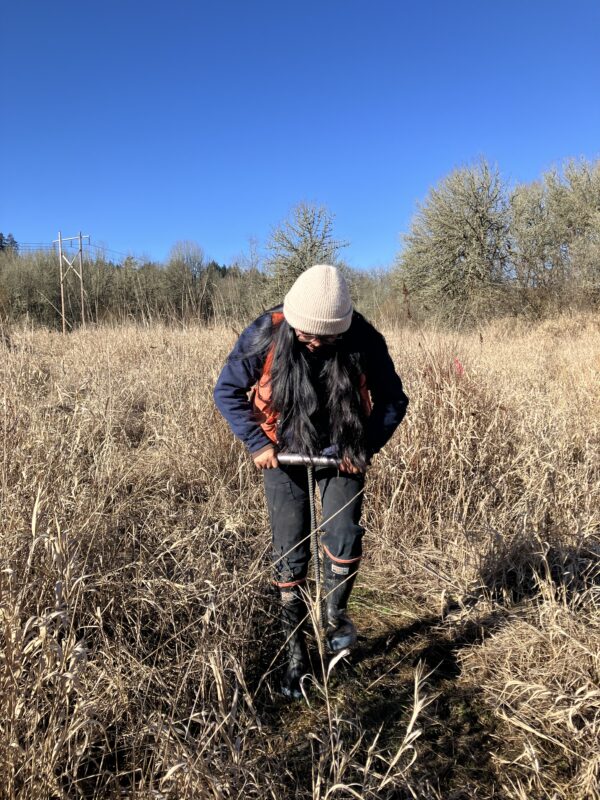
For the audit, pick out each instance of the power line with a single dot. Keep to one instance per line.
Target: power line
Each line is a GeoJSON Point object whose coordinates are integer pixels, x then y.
{"type": "Point", "coordinates": [32, 246]}
{"type": "Point", "coordinates": [109, 250]}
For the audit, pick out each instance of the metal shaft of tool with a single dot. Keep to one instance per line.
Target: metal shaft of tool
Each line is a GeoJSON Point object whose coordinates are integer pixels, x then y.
{"type": "Point", "coordinates": [310, 462]}
{"type": "Point", "coordinates": [314, 543]}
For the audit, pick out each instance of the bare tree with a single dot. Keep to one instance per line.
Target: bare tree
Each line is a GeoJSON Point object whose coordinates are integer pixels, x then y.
{"type": "Point", "coordinates": [302, 240]}
{"type": "Point", "coordinates": [555, 236]}
{"type": "Point", "coordinates": [188, 280]}
{"type": "Point", "coordinates": [456, 252]}
{"type": "Point", "coordinates": [574, 208]}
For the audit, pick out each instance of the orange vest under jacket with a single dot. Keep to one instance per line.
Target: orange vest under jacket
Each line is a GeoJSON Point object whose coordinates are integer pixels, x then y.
{"type": "Point", "coordinates": [265, 415]}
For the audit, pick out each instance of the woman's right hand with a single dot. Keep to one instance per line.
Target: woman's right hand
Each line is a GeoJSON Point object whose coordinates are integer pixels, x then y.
{"type": "Point", "coordinates": [267, 459]}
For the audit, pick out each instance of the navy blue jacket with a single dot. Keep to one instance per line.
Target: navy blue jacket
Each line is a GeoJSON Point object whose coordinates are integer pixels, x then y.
{"type": "Point", "coordinates": [242, 370]}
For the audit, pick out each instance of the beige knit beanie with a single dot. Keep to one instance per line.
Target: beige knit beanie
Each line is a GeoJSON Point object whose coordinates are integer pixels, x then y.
{"type": "Point", "coordinates": [319, 302]}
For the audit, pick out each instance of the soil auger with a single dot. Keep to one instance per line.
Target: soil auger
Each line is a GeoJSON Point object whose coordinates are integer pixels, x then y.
{"type": "Point", "coordinates": [344, 636]}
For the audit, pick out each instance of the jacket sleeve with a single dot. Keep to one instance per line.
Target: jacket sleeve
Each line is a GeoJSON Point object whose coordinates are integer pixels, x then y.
{"type": "Point", "coordinates": [387, 395]}
{"type": "Point", "coordinates": [241, 371]}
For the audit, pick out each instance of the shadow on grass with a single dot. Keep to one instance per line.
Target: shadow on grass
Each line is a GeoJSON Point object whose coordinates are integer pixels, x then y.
{"type": "Point", "coordinates": [457, 728]}
{"type": "Point", "coordinates": [374, 688]}
{"type": "Point", "coordinates": [518, 574]}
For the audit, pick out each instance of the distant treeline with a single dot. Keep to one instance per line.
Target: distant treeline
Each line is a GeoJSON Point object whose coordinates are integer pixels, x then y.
{"type": "Point", "coordinates": [187, 287]}
{"type": "Point", "coordinates": [476, 249]}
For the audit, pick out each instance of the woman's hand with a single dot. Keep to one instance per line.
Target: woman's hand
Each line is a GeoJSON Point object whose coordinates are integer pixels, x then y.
{"type": "Point", "coordinates": [266, 459]}
{"type": "Point", "coordinates": [347, 466]}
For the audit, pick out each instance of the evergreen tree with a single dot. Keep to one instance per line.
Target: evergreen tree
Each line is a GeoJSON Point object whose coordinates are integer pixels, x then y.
{"type": "Point", "coordinates": [10, 243]}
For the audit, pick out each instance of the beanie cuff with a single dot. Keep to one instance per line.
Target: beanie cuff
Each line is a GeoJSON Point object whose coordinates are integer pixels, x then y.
{"type": "Point", "coordinates": [320, 327]}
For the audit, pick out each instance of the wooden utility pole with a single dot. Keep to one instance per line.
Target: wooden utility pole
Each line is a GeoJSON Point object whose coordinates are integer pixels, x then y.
{"type": "Point", "coordinates": [71, 266]}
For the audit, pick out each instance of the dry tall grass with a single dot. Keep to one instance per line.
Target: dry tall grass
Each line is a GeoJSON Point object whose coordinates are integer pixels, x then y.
{"type": "Point", "coordinates": [139, 632]}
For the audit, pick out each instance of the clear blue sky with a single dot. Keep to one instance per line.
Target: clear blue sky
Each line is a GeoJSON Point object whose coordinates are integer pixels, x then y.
{"type": "Point", "coordinates": [144, 123]}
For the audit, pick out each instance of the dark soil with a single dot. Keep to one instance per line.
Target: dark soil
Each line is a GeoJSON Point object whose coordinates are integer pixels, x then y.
{"type": "Point", "coordinates": [373, 689]}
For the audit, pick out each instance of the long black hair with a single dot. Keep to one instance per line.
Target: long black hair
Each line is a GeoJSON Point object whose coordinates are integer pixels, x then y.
{"type": "Point", "coordinates": [296, 399]}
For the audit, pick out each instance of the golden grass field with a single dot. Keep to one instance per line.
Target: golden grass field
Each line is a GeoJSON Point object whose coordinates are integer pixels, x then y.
{"type": "Point", "coordinates": [140, 642]}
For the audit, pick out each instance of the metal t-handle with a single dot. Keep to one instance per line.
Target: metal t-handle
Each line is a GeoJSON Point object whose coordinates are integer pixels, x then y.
{"type": "Point", "coordinates": [291, 459]}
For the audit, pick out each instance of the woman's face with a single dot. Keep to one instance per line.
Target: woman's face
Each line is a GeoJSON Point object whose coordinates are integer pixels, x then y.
{"type": "Point", "coordinates": [313, 341]}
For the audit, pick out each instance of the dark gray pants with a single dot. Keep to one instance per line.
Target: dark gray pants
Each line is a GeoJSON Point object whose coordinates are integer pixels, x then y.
{"type": "Point", "coordinates": [286, 490]}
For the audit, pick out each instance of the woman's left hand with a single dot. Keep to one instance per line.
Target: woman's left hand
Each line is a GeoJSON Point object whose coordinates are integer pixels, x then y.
{"type": "Point", "coordinates": [347, 466]}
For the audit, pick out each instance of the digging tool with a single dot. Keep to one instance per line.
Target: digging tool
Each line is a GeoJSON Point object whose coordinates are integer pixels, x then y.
{"type": "Point", "coordinates": [296, 459]}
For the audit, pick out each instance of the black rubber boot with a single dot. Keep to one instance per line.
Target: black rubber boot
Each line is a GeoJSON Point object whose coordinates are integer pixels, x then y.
{"type": "Point", "coordinates": [338, 580]}
{"type": "Point", "coordinates": [293, 616]}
